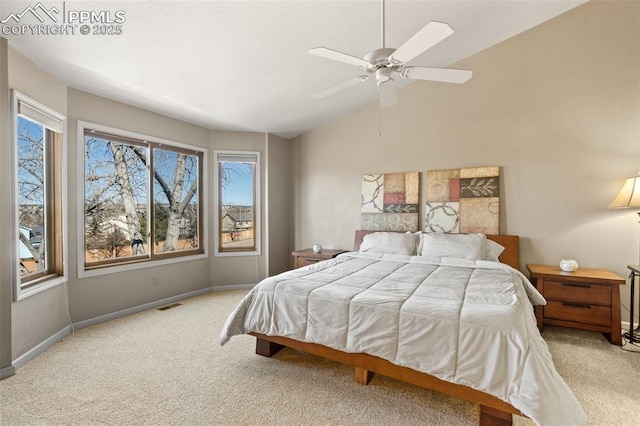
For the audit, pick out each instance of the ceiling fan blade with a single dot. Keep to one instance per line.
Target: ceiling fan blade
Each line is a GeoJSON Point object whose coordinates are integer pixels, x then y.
{"type": "Point", "coordinates": [339, 87]}
{"type": "Point", "coordinates": [446, 75]}
{"type": "Point", "coordinates": [387, 92]}
{"type": "Point", "coordinates": [334, 55]}
{"type": "Point", "coordinates": [432, 34]}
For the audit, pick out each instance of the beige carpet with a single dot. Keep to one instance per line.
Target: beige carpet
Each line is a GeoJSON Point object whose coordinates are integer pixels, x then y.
{"type": "Point", "coordinates": [167, 368]}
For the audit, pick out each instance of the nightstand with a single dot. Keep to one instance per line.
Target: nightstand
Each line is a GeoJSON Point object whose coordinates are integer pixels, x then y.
{"type": "Point", "coordinates": [308, 256]}
{"type": "Point", "coordinates": [588, 299]}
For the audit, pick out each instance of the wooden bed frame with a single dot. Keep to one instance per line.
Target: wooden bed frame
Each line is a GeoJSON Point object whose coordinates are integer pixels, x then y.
{"type": "Point", "coordinates": [493, 411]}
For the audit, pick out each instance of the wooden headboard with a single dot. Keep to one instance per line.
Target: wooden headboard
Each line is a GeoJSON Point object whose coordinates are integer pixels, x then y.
{"type": "Point", "coordinates": [510, 255]}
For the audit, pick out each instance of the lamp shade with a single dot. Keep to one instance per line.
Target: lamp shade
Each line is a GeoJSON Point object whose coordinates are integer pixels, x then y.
{"type": "Point", "coordinates": [629, 195]}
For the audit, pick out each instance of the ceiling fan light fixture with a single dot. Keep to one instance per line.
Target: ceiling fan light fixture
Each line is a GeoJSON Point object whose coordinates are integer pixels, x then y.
{"type": "Point", "coordinates": [383, 74]}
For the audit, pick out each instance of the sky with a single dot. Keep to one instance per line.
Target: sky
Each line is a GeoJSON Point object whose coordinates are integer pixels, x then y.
{"type": "Point", "coordinates": [31, 161]}
{"type": "Point", "coordinates": [239, 191]}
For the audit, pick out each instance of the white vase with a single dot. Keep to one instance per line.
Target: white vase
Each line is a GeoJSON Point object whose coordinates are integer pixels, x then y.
{"type": "Point", "coordinates": [568, 265]}
{"type": "Point", "coordinates": [317, 248]}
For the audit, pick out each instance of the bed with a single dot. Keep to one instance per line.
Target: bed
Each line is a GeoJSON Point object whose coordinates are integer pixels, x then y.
{"type": "Point", "coordinates": [457, 325]}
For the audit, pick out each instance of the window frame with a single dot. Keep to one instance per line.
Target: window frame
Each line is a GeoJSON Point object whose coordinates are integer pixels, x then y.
{"type": "Point", "coordinates": [256, 251]}
{"type": "Point", "coordinates": [152, 259]}
{"type": "Point", "coordinates": [55, 164]}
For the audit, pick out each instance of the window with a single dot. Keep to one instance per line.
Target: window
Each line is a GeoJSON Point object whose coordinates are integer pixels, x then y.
{"type": "Point", "coordinates": [39, 159]}
{"type": "Point", "coordinates": [142, 198]}
{"type": "Point", "coordinates": [237, 176]}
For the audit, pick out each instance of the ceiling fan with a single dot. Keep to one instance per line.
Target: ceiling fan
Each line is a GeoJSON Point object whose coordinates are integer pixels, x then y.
{"type": "Point", "coordinates": [385, 62]}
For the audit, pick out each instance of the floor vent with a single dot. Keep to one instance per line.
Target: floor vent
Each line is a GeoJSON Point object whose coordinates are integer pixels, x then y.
{"type": "Point", "coordinates": [173, 305]}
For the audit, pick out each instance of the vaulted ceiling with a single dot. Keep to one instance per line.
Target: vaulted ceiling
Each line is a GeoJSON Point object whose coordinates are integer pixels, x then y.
{"type": "Point", "coordinates": [243, 65]}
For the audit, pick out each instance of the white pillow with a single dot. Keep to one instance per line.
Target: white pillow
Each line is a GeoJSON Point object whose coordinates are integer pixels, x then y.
{"type": "Point", "coordinates": [462, 246]}
{"type": "Point", "coordinates": [492, 250]}
{"type": "Point", "coordinates": [389, 243]}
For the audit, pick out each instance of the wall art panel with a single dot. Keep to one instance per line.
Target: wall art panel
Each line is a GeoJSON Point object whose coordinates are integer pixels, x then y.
{"type": "Point", "coordinates": [390, 201]}
{"type": "Point", "coordinates": [463, 200]}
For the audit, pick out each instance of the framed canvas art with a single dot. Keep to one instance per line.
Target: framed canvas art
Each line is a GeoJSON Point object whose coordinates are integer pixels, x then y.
{"type": "Point", "coordinates": [463, 200]}
{"type": "Point", "coordinates": [390, 201]}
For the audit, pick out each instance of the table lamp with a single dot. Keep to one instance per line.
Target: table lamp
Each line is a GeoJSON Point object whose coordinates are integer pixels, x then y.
{"type": "Point", "coordinates": [629, 197]}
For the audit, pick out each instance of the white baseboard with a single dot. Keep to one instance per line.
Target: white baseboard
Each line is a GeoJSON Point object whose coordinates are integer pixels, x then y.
{"type": "Point", "coordinates": [41, 347]}
{"type": "Point", "coordinates": [156, 304]}
{"type": "Point", "coordinates": [625, 325]}
{"type": "Point", "coordinates": [135, 309]}
{"type": "Point", "coordinates": [7, 372]}
{"type": "Point", "coordinates": [233, 287]}
{"type": "Point", "coordinates": [46, 344]}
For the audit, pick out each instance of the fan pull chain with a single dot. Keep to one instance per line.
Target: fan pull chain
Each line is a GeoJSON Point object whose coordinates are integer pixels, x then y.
{"type": "Point", "coordinates": [379, 125]}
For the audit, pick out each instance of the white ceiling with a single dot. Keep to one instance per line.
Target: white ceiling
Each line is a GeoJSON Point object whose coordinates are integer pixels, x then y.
{"type": "Point", "coordinates": [243, 65]}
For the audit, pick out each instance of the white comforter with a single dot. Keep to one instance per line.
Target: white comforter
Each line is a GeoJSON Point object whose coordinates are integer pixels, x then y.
{"type": "Point", "coordinates": [465, 322]}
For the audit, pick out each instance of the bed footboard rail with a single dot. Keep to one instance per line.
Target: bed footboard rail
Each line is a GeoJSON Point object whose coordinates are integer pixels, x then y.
{"type": "Point", "coordinates": [493, 411]}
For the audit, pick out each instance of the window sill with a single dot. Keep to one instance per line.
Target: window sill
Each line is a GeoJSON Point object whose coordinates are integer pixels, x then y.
{"type": "Point", "coordinates": [237, 253]}
{"type": "Point", "coordinates": [82, 273]}
{"type": "Point", "coordinates": [39, 288]}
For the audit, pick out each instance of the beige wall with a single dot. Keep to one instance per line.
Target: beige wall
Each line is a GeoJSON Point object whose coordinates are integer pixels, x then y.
{"type": "Point", "coordinates": [276, 207]}
{"type": "Point", "coordinates": [101, 295]}
{"type": "Point", "coordinates": [32, 321]}
{"type": "Point", "coordinates": [557, 107]}
{"type": "Point", "coordinates": [38, 317]}
{"type": "Point", "coordinates": [6, 217]}
{"type": "Point", "coordinates": [279, 204]}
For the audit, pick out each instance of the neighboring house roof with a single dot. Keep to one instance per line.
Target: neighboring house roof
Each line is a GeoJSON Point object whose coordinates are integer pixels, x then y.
{"type": "Point", "coordinates": [238, 213]}
{"type": "Point", "coordinates": [232, 221]}
{"type": "Point", "coordinates": [244, 217]}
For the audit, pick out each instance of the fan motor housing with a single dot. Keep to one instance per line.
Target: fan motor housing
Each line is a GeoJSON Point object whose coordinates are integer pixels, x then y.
{"type": "Point", "coordinates": [379, 57]}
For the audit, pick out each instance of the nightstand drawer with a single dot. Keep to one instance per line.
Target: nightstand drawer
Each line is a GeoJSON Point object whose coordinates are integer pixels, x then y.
{"type": "Point", "coordinates": [578, 312]}
{"type": "Point", "coordinates": [577, 292]}
{"type": "Point", "coordinates": [308, 257]}
{"type": "Point", "coordinates": [305, 261]}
